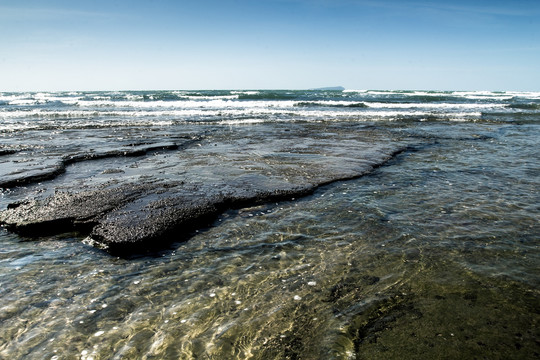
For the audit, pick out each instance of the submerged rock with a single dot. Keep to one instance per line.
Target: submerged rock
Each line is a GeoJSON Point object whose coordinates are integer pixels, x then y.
{"type": "Point", "coordinates": [7, 152]}
{"type": "Point", "coordinates": [172, 195]}
{"type": "Point", "coordinates": [32, 169]}
{"type": "Point", "coordinates": [133, 218]}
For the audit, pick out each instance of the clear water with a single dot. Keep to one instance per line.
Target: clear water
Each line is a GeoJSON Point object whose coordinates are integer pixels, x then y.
{"type": "Point", "coordinates": [433, 255]}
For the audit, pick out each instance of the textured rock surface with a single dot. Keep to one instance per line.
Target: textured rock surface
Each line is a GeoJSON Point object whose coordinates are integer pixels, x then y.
{"type": "Point", "coordinates": [146, 200]}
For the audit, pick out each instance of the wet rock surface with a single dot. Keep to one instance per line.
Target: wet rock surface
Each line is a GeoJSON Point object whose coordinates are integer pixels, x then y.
{"type": "Point", "coordinates": [66, 211]}
{"type": "Point", "coordinates": [150, 199]}
{"type": "Point", "coordinates": [27, 170]}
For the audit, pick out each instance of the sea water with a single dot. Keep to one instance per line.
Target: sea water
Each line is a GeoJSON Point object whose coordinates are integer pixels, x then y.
{"type": "Point", "coordinates": [434, 254]}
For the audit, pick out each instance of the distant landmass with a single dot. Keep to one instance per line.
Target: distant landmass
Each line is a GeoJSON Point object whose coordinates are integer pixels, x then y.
{"type": "Point", "coordinates": [331, 88]}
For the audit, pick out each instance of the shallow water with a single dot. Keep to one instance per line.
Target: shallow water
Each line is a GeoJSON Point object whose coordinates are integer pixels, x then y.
{"type": "Point", "coordinates": [433, 255]}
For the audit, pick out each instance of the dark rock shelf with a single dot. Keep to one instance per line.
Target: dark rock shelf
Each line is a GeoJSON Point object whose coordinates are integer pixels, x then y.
{"type": "Point", "coordinates": [156, 199]}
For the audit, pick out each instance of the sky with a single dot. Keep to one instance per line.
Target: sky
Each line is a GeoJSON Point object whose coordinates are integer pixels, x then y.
{"type": "Point", "coordinates": [65, 45]}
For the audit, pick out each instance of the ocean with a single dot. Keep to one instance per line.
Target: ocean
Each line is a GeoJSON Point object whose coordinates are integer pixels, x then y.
{"type": "Point", "coordinates": [307, 224]}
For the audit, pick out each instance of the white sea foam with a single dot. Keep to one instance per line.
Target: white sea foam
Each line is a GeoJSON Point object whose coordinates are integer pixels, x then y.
{"type": "Point", "coordinates": [375, 110]}
{"type": "Point", "coordinates": [253, 92]}
{"type": "Point", "coordinates": [474, 95]}
{"type": "Point", "coordinates": [190, 102]}
{"type": "Point", "coordinates": [28, 111]}
{"type": "Point", "coordinates": [193, 108]}
{"type": "Point", "coordinates": [201, 97]}
{"type": "Point", "coordinates": [355, 91]}
{"type": "Point", "coordinates": [529, 95]}
{"type": "Point", "coordinates": [443, 106]}
{"type": "Point", "coordinates": [496, 95]}
{"type": "Point", "coordinates": [239, 122]}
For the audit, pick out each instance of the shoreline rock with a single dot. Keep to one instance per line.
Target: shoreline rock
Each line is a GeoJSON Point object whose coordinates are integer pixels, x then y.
{"type": "Point", "coordinates": [131, 219]}
{"type": "Point", "coordinates": [162, 198]}
{"type": "Point", "coordinates": [59, 166]}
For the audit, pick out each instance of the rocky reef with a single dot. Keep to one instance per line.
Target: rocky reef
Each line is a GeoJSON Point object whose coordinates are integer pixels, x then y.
{"type": "Point", "coordinates": [151, 199]}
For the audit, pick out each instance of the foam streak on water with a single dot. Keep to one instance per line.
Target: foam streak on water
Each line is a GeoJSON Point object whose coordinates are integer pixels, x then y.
{"type": "Point", "coordinates": [18, 110]}
{"type": "Point", "coordinates": [435, 252]}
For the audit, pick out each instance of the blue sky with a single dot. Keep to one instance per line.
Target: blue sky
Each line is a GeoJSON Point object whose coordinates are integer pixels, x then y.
{"type": "Point", "coordinates": [272, 44]}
